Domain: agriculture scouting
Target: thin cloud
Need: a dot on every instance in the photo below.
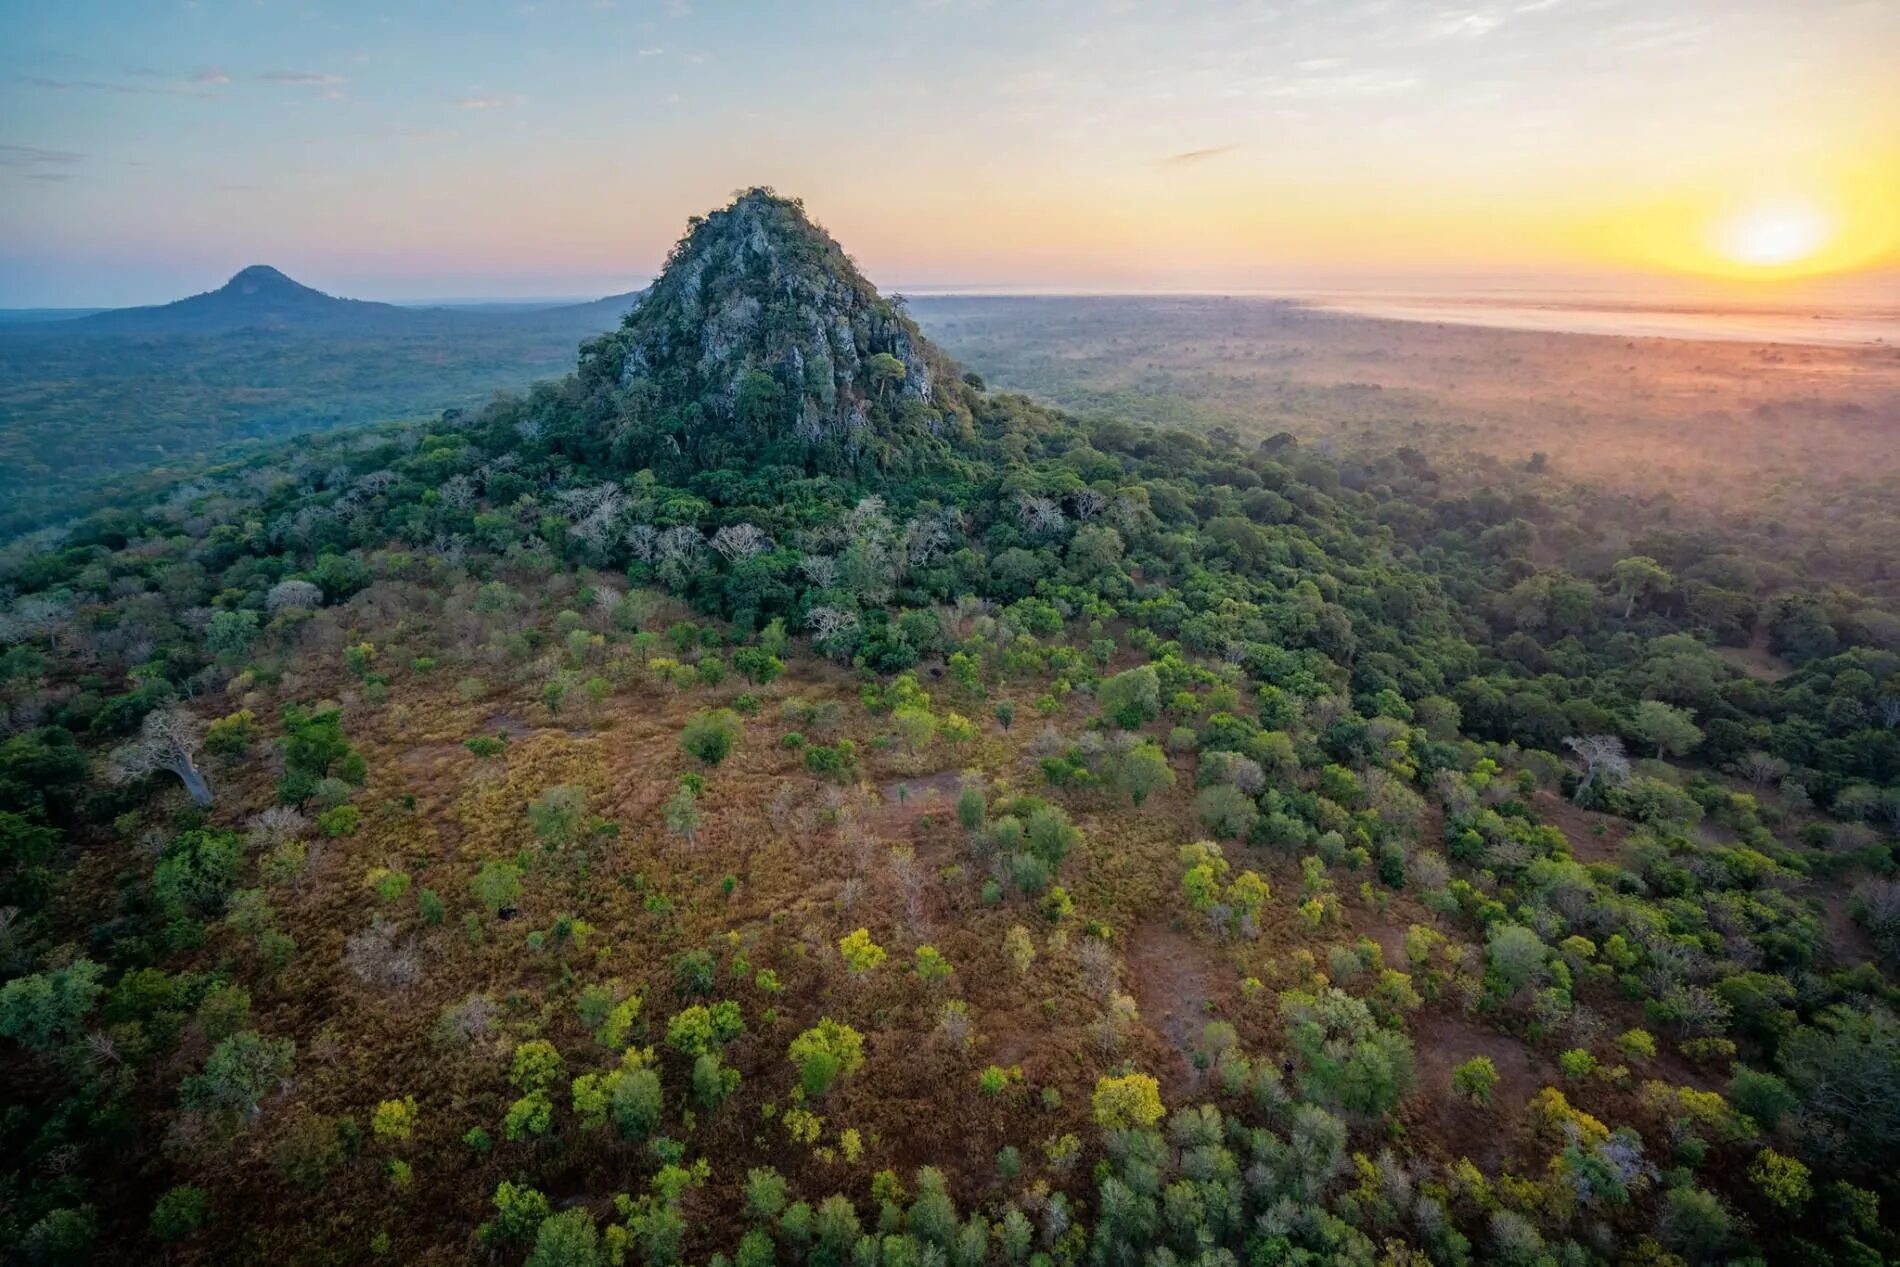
(309, 78)
(651, 52)
(211, 76)
(423, 134)
(100, 85)
(1188, 158)
(34, 156)
(491, 103)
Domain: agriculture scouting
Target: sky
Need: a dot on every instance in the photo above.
(472, 148)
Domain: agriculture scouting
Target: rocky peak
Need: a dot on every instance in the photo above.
(761, 331)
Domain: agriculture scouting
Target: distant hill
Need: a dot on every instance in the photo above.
(257, 298)
(24, 316)
(93, 406)
(608, 310)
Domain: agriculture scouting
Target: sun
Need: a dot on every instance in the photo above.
(1774, 235)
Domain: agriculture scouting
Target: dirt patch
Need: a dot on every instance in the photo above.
(1756, 660)
(1444, 1040)
(941, 786)
(1593, 837)
(506, 724)
(1170, 976)
(1847, 941)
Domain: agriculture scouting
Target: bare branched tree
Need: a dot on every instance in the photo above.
(820, 569)
(168, 741)
(1602, 757)
(293, 596)
(594, 511)
(1039, 514)
(740, 541)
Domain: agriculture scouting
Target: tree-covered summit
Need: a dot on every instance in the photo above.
(762, 338)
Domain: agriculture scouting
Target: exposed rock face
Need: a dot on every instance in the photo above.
(761, 331)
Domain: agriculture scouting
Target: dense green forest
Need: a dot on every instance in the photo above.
(764, 798)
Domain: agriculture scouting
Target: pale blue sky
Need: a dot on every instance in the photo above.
(148, 150)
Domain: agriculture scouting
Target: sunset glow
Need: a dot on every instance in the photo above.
(1775, 235)
(554, 148)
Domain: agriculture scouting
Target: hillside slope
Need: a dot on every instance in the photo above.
(514, 838)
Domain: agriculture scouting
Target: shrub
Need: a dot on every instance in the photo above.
(710, 735)
(537, 1065)
(519, 1211)
(1476, 1079)
(861, 954)
(394, 1120)
(1131, 1102)
(1577, 1063)
(970, 808)
(1637, 1044)
(180, 1212)
(1782, 1179)
(231, 736)
(699, 1029)
(713, 1081)
(931, 967)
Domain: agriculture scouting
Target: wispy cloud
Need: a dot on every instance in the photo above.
(102, 85)
(492, 103)
(1358, 83)
(1188, 158)
(651, 52)
(34, 163)
(34, 156)
(307, 78)
(423, 134)
(211, 75)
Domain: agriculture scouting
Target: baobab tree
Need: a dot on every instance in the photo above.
(168, 740)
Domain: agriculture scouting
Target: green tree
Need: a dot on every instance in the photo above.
(1475, 1080)
(179, 1213)
(241, 1071)
(1226, 811)
(567, 1239)
(825, 1053)
(1637, 577)
(559, 815)
(1132, 698)
(916, 727)
(1666, 727)
(861, 954)
(497, 886)
(47, 1010)
(1142, 771)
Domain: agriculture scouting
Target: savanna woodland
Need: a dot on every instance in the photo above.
(764, 799)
